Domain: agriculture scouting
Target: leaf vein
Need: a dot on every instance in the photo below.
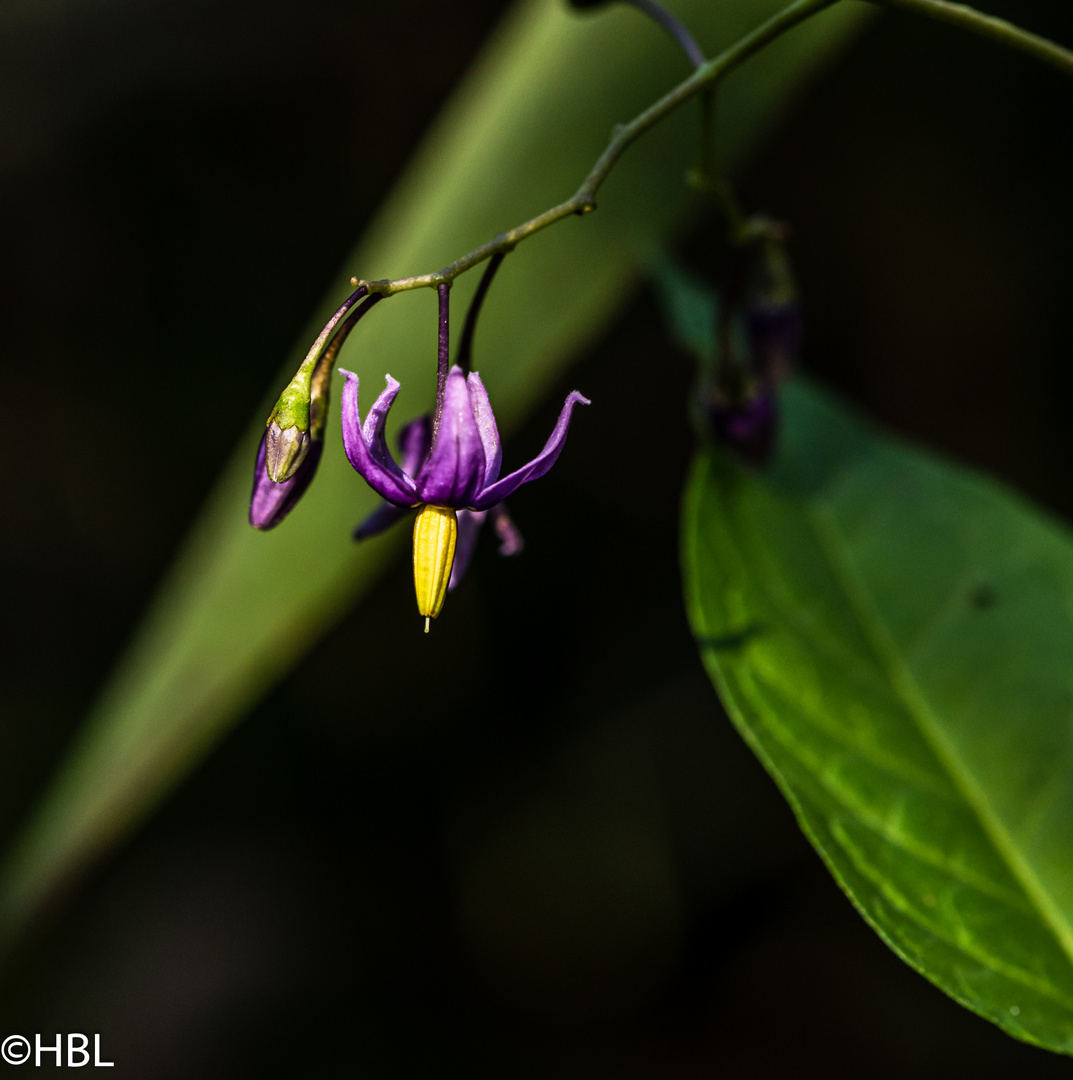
(882, 826)
(966, 945)
(883, 762)
(919, 710)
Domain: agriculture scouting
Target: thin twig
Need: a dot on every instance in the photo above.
(583, 200)
(967, 18)
(707, 75)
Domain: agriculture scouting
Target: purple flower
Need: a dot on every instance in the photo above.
(415, 442)
(451, 474)
(461, 469)
(469, 527)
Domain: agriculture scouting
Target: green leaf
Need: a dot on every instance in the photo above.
(239, 608)
(892, 636)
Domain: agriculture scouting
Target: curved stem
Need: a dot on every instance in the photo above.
(584, 199)
(336, 343)
(707, 75)
(322, 373)
(316, 350)
(674, 26)
(292, 406)
(442, 355)
(465, 345)
(967, 18)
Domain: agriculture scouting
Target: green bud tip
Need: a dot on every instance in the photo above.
(285, 450)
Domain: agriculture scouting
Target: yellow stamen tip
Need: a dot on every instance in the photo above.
(435, 533)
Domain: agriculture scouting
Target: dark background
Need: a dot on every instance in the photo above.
(532, 845)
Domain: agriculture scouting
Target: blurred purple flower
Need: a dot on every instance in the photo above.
(774, 331)
(749, 426)
(742, 399)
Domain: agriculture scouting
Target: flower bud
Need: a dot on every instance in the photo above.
(758, 343)
(290, 451)
(291, 448)
(270, 502)
(285, 450)
(748, 427)
(772, 313)
(287, 441)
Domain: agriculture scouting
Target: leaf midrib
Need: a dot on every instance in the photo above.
(1043, 986)
(877, 825)
(875, 632)
(972, 949)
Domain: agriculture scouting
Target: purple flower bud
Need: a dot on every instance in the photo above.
(771, 311)
(290, 450)
(270, 502)
(749, 427)
(774, 334)
(285, 449)
(760, 340)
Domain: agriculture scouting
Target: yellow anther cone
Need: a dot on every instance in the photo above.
(435, 533)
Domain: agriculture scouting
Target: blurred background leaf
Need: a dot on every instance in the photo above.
(891, 635)
(240, 608)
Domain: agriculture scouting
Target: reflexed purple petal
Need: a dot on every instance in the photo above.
(369, 455)
(415, 441)
(383, 517)
(486, 428)
(539, 465)
(453, 473)
(373, 427)
(469, 528)
(270, 503)
(510, 538)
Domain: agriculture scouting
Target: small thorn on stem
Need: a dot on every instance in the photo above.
(427, 621)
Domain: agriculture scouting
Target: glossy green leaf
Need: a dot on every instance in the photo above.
(240, 608)
(893, 637)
